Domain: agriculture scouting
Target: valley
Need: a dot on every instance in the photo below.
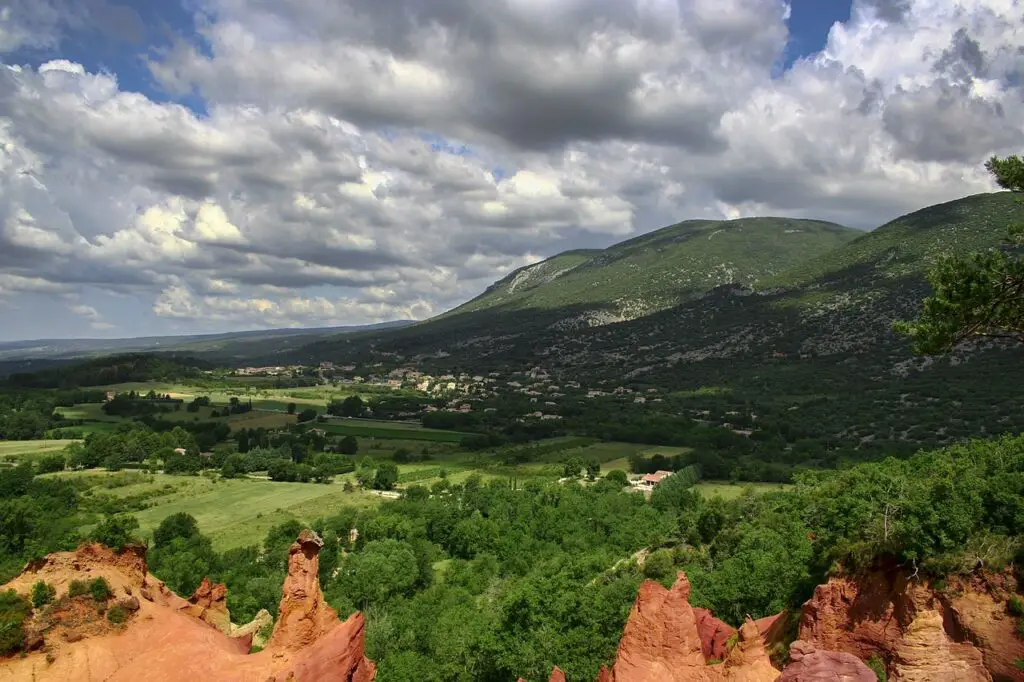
(728, 400)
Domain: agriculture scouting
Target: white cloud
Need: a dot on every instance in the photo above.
(311, 191)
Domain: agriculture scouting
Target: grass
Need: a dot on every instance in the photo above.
(17, 449)
(386, 430)
(730, 491)
(236, 512)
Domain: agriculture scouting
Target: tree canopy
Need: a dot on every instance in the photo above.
(978, 294)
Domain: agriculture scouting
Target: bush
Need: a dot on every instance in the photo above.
(116, 531)
(1016, 606)
(51, 464)
(77, 588)
(618, 477)
(14, 609)
(658, 565)
(117, 614)
(180, 525)
(42, 594)
(100, 590)
(877, 666)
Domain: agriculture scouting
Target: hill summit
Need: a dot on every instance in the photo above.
(662, 268)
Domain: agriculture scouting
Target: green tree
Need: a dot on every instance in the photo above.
(618, 477)
(348, 445)
(572, 466)
(386, 476)
(353, 406)
(291, 408)
(116, 531)
(180, 525)
(593, 469)
(978, 294)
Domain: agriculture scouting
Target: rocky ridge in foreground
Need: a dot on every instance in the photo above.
(165, 638)
(962, 630)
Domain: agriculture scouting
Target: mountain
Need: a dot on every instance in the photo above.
(663, 268)
(223, 346)
(629, 280)
(808, 352)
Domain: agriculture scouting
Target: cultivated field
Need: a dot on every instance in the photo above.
(367, 428)
(20, 449)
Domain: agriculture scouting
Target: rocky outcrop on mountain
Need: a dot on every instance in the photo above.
(958, 631)
(161, 638)
(662, 642)
(808, 664)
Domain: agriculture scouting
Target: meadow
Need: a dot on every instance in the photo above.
(13, 450)
(367, 428)
(232, 512)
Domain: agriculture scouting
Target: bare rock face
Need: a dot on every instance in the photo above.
(714, 634)
(807, 664)
(926, 653)
(748, 661)
(161, 642)
(959, 632)
(303, 616)
(209, 603)
(662, 643)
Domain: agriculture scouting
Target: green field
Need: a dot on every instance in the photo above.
(257, 389)
(18, 449)
(731, 491)
(235, 512)
(96, 420)
(389, 430)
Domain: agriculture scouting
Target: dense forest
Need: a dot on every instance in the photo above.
(503, 579)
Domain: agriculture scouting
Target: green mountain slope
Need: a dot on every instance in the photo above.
(663, 268)
(809, 350)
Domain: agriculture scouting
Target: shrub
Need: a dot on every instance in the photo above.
(658, 565)
(77, 588)
(1016, 606)
(42, 594)
(100, 589)
(14, 609)
(618, 477)
(116, 531)
(117, 614)
(877, 666)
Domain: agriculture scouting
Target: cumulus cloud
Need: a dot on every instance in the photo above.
(360, 161)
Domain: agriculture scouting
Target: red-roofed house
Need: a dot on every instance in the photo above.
(651, 480)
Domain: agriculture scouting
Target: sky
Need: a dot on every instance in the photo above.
(211, 165)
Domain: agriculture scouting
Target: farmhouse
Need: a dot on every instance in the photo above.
(650, 481)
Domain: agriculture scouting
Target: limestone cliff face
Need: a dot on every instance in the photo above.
(961, 632)
(170, 639)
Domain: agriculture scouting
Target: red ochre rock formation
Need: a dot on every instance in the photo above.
(162, 642)
(209, 603)
(807, 664)
(662, 643)
(961, 632)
